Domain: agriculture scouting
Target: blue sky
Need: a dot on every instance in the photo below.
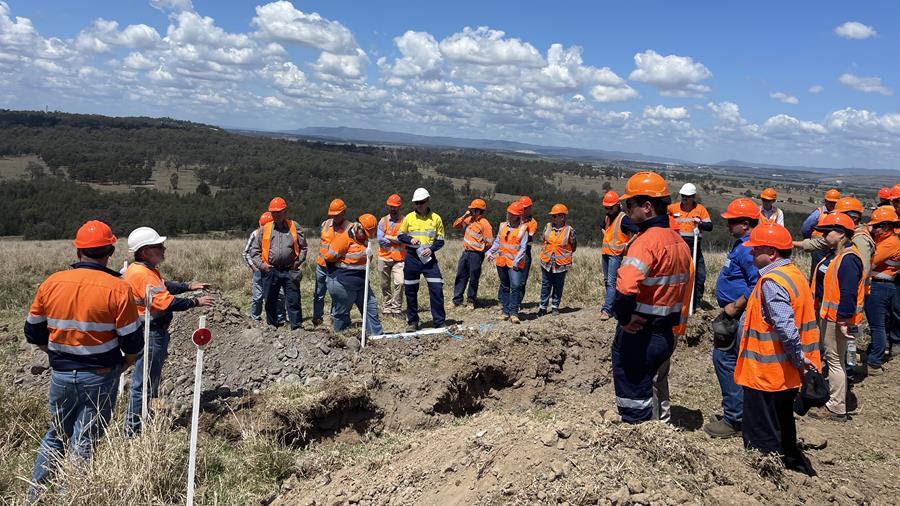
(776, 82)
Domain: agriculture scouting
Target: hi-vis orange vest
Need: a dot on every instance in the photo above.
(886, 262)
(822, 212)
(510, 239)
(614, 239)
(138, 276)
(762, 362)
(557, 249)
(531, 225)
(392, 252)
(778, 213)
(657, 270)
(86, 311)
(474, 238)
(346, 253)
(266, 240)
(327, 235)
(831, 293)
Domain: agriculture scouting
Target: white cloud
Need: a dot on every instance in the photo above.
(605, 94)
(866, 84)
(137, 61)
(816, 89)
(274, 102)
(727, 112)
(864, 124)
(421, 55)
(103, 35)
(172, 5)
(782, 125)
(340, 67)
(283, 22)
(483, 46)
(784, 97)
(673, 75)
(666, 113)
(855, 30)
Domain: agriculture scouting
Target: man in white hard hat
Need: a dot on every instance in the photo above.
(149, 251)
(689, 215)
(422, 231)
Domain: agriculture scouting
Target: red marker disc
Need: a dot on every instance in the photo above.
(202, 337)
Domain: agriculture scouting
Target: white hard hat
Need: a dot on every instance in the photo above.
(688, 189)
(143, 236)
(420, 194)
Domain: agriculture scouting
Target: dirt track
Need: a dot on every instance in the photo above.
(501, 413)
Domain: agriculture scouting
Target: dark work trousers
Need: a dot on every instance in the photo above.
(468, 271)
(769, 425)
(413, 269)
(274, 281)
(894, 333)
(525, 272)
(635, 361)
(699, 269)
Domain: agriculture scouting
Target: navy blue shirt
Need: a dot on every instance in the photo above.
(848, 280)
(739, 274)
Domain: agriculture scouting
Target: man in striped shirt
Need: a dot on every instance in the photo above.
(257, 292)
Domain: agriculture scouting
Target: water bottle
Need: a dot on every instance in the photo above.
(851, 352)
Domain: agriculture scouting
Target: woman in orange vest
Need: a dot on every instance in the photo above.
(839, 289)
(617, 231)
(556, 258)
(477, 238)
(531, 225)
(779, 343)
(345, 264)
(509, 251)
(769, 213)
(885, 265)
(331, 228)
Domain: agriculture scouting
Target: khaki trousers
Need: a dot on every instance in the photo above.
(391, 286)
(835, 346)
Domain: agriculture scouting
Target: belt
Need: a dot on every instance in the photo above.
(99, 370)
(876, 280)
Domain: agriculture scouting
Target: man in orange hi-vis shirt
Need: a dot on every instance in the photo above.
(691, 215)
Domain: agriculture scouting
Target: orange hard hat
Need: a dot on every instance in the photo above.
(277, 204)
(394, 201)
(559, 209)
(646, 183)
(610, 199)
(884, 214)
(742, 208)
(848, 204)
(94, 234)
(369, 223)
(336, 207)
(884, 193)
(895, 192)
(478, 204)
(769, 194)
(516, 208)
(265, 217)
(526, 201)
(834, 221)
(770, 234)
(832, 195)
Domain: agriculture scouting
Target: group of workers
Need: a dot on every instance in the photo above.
(89, 319)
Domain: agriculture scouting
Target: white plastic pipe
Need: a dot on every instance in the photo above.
(365, 308)
(122, 376)
(425, 332)
(694, 262)
(148, 303)
(195, 418)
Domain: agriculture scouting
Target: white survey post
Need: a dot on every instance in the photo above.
(201, 337)
(148, 303)
(694, 264)
(370, 250)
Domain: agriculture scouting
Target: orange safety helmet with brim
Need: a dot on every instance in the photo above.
(370, 223)
(647, 184)
(526, 201)
(277, 204)
(394, 200)
(884, 214)
(848, 204)
(770, 234)
(769, 194)
(832, 195)
(836, 221)
(94, 234)
(558, 209)
(516, 208)
(336, 207)
(478, 204)
(610, 199)
(884, 193)
(895, 192)
(742, 208)
(265, 217)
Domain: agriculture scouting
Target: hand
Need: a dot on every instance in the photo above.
(731, 311)
(414, 241)
(697, 220)
(516, 268)
(635, 325)
(809, 365)
(844, 331)
(468, 213)
(196, 285)
(128, 361)
(265, 268)
(205, 300)
(490, 258)
(426, 252)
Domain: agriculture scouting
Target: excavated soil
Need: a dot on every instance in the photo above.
(500, 413)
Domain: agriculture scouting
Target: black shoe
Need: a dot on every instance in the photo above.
(412, 327)
(542, 312)
(555, 311)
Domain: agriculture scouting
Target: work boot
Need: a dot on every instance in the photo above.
(412, 327)
(472, 306)
(514, 319)
(604, 316)
(503, 317)
(824, 413)
(874, 370)
(542, 311)
(316, 322)
(720, 429)
(555, 311)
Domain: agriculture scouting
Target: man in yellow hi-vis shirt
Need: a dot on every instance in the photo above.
(422, 231)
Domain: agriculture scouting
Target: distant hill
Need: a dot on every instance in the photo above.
(849, 171)
(372, 136)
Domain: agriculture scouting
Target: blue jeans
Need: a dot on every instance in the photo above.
(552, 283)
(611, 265)
(724, 362)
(878, 312)
(700, 268)
(468, 272)
(274, 282)
(511, 286)
(159, 351)
(525, 272)
(343, 298)
(319, 295)
(81, 403)
(258, 295)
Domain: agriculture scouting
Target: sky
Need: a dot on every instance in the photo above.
(796, 83)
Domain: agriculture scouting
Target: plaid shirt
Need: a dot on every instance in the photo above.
(778, 311)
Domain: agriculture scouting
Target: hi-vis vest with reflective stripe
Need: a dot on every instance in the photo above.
(266, 240)
(395, 251)
(345, 253)
(614, 239)
(473, 238)
(887, 251)
(685, 219)
(557, 249)
(138, 276)
(657, 270)
(831, 293)
(327, 235)
(822, 212)
(531, 225)
(762, 362)
(510, 240)
(426, 229)
(776, 213)
(86, 311)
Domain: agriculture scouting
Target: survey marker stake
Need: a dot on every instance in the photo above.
(148, 303)
(201, 337)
